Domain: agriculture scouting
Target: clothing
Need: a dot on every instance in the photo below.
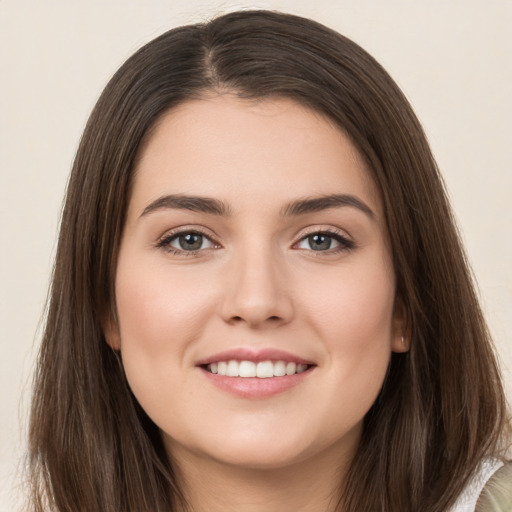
(490, 489)
(497, 493)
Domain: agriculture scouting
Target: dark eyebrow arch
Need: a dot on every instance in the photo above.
(317, 204)
(192, 203)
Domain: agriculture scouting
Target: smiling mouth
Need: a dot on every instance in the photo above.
(261, 370)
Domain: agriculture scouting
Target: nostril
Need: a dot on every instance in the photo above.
(273, 318)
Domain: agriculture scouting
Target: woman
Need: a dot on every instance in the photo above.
(260, 301)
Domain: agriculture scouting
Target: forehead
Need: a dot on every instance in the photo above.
(246, 150)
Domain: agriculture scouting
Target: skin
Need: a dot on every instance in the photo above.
(256, 282)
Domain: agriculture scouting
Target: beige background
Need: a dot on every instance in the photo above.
(453, 58)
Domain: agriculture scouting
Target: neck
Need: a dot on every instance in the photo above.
(306, 486)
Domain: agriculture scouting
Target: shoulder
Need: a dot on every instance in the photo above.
(496, 496)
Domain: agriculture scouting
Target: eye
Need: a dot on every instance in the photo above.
(325, 241)
(186, 242)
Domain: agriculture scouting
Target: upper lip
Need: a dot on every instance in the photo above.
(247, 354)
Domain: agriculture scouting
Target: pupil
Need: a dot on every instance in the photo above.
(319, 242)
(191, 241)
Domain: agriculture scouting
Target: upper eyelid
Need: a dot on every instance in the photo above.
(180, 230)
(328, 230)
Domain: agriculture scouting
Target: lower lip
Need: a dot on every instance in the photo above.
(254, 387)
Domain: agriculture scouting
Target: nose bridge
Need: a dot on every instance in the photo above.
(257, 293)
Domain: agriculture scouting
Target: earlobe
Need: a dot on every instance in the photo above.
(111, 332)
(401, 341)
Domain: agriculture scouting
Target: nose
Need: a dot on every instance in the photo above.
(258, 293)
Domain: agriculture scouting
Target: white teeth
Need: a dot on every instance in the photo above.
(265, 369)
(232, 370)
(247, 369)
(262, 370)
(280, 369)
(291, 368)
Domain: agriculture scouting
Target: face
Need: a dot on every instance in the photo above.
(254, 288)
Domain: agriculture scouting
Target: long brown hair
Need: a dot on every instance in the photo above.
(441, 409)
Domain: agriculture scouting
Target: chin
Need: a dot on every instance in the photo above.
(267, 449)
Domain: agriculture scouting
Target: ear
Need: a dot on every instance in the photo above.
(111, 331)
(401, 336)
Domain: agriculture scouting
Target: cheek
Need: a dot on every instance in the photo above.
(353, 308)
(352, 312)
(160, 313)
(158, 307)
(357, 332)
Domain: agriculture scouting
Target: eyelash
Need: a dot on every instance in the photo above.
(345, 243)
(165, 242)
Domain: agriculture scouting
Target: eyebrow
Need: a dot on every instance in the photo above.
(316, 204)
(216, 207)
(192, 203)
